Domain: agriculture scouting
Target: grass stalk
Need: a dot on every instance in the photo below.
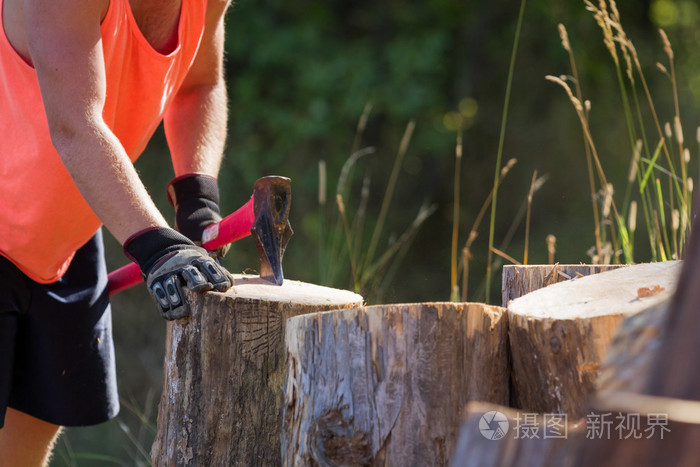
(677, 119)
(474, 232)
(335, 242)
(566, 44)
(632, 227)
(454, 288)
(139, 448)
(551, 241)
(386, 202)
(360, 218)
(466, 257)
(501, 139)
(348, 239)
(506, 256)
(527, 216)
(662, 215)
(370, 272)
(322, 219)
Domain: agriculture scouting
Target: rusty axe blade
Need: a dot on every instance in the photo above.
(271, 230)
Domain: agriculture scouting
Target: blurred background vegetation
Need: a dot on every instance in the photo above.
(300, 77)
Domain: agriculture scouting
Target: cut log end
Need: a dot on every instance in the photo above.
(300, 293)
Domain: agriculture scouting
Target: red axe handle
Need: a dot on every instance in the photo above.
(229, 229)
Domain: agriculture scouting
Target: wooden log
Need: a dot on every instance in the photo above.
(627, 364)
(644, 431)
(674, 372)
(224, 369)
(518, 280)
(667, 389)
(497, 436)
(626, 430)
(559, 334)
(384, 385)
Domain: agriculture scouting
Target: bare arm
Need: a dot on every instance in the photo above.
(195, 122)
(65, 48)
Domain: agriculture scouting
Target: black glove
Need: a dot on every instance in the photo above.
(170, 261)
(196, 201)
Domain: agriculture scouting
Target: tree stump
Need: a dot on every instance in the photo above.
(674, 372)
(497, 436)
(224, 369)
(518, 280)
(559, 334)
(627, 364)
(384, 385)
(644, 431)
(628, 430)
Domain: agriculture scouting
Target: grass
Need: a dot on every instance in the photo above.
(663, 191)
(501, 139)
(372, 264)
(658, 184)
(134, 426)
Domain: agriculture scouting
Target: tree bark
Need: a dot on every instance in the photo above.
(674, 372)
(224, 369)
(559, 334)
(629, 430)
(523, 440)
(666, 432)
(627, 364)
(384, 385)
(518, 280)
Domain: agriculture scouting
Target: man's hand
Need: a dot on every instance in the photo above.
(169, 261)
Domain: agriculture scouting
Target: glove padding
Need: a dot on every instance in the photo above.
(196, 201)
(169, 261)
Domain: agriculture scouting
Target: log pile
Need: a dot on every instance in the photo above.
(646, 411)
(306, 375)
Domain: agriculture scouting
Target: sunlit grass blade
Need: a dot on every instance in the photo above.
(388, 195)
(371, 272)
(501, 139)
(650, 168)
(454, 288)
(139, 447)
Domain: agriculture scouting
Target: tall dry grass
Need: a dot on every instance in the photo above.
(661, 185)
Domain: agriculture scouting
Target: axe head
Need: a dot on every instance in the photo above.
(271, 230)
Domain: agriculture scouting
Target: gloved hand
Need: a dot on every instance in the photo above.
(196, 200)
(169, 261)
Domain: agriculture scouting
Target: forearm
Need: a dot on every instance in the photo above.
(108, 181)
(195, 127)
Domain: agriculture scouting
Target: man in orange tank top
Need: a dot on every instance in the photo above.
(86, 82)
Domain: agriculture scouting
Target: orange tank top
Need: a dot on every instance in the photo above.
(43, 217)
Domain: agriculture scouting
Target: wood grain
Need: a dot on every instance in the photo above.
(385, 385)
(560, 334)
(224, 369)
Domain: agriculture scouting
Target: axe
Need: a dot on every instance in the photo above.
(265, 216)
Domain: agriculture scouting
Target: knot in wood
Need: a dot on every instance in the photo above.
(555, 344)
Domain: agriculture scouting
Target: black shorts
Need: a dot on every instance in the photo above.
(56, 349)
